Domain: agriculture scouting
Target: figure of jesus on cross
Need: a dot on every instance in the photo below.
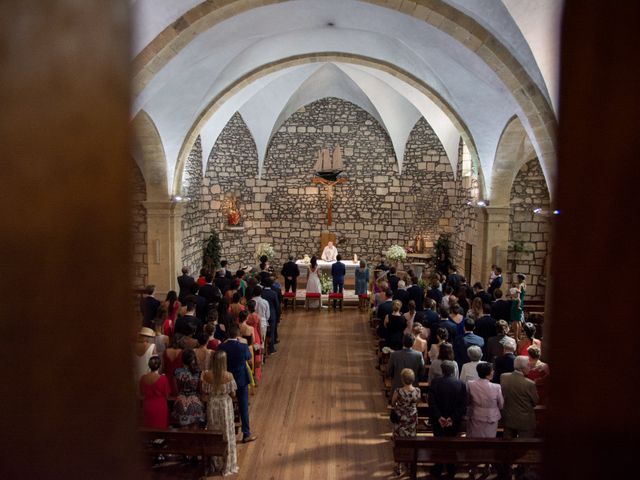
(328, 186)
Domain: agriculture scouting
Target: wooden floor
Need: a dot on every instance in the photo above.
(318, 411)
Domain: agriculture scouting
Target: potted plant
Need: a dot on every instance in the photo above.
(212, 251)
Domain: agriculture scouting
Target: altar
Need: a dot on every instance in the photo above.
(325, 267)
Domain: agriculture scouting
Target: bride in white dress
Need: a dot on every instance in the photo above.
(313, 283)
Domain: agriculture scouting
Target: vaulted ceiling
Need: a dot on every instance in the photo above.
(469, 67)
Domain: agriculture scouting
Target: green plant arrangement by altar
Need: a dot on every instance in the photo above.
(326, 283)
(443, 246)
(265, 249)
(212, 251)
(396, 253)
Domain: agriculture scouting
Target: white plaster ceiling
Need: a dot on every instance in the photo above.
(214, 60)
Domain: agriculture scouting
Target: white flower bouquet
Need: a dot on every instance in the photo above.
(306, 260)
(265, 249)
(396, 253)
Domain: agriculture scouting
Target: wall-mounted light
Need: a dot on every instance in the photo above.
(482, 203)
(180, 199)
(556, 212)
(537, 210)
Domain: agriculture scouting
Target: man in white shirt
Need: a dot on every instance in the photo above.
(329, 253)
(262, 309)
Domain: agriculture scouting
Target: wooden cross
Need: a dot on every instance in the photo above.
(328, 186)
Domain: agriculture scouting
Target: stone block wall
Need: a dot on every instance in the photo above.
(194, 226)
(140, 270)
(376, 208)
(464, 225)
(529, 230)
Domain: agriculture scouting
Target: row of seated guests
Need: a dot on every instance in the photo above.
(204, 395)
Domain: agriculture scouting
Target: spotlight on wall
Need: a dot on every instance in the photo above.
(180, 199)
(482, 203)
(537, 210)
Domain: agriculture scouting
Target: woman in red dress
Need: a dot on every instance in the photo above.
(172, 360)
(172, 307)
(154, 388)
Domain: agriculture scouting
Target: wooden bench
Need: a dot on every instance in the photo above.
(194, 442)
(471, 451)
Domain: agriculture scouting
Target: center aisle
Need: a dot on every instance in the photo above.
(317, 413)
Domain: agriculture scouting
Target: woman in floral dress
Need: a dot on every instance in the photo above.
(405, 402)
(220, 387)
(188, 408)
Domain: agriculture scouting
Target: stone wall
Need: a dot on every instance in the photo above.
(140, 269)
(193, 221)
(529, 232)
(376, 208)
(464, 225)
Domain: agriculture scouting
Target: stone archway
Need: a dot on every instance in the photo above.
(436, 13)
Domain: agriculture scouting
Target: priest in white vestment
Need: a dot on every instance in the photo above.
(329, 253)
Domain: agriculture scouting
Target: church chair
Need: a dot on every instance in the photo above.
(290, 297)
(309, 295)
(336, 299)
(363, 302)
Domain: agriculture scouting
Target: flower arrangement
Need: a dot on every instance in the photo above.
(265, 249)
(396, 253)
(306, 260)
(326, 283)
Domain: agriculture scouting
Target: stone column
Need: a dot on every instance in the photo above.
(164, 241)
(496, 240)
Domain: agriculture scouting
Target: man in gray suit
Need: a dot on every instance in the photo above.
(520, 399)
(405, 358)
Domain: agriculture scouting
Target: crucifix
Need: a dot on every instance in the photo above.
(327, 170)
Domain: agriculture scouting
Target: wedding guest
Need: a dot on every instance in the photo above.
(456, 315)
(393, 279)
(271, 296)
(405, 403)
(520, 399)
(172, 361)
(494, 344)
(485, 402)
(172, 306)
(362, 278)
(501, 308)
(463, 342)
(435, 292)
(410, 316)
(496, 282)
(529, 341)
(155, 390)
(238, 355)
(220, 387)
(505, 362)
(539, 373)
(394, 325)
(402, 295)
(468, 371)
(441, 336)
(149, 306)
(185, 282)
(447, 406)
(445, 353)
(203, 354)
(416, 293)
(479, 292)
(263, 310)
(402, 359)
(420, 344)
(430, 320)
(188, 408)
(475, 311)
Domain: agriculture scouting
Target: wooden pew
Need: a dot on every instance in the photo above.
(472, 451)
(193, 442)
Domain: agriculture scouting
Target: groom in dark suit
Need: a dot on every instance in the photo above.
(290, 272)
(338, 271)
